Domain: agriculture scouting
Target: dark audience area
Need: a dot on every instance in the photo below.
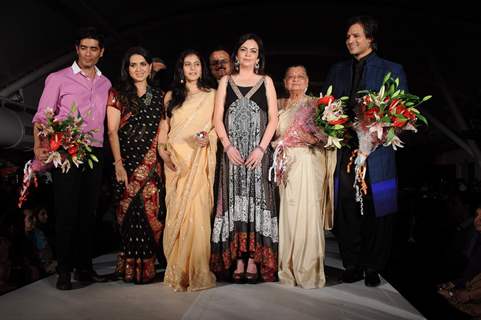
(27, 234)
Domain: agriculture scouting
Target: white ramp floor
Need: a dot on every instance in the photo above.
(118, 300)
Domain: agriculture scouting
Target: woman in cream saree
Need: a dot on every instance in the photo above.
(306, 196)
(189, 156)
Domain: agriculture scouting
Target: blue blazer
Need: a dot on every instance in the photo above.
(382, 162)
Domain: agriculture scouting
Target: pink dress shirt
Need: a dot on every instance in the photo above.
(71, 85)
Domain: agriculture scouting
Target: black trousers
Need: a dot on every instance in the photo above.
(75, 202)
(364, 240)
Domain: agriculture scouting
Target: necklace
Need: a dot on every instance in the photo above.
(291, 102)
(148, 97)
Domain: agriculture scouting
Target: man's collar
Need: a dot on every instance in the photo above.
(76, 69)
(365, 58)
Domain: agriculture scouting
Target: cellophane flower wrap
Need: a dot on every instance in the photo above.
(381, 117)
(306, 120)
(330, 118)
(67, 143)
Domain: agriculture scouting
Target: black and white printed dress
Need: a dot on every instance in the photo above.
(245, 224)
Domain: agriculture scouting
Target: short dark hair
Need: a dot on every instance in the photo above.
(370, 26)
(158, 59)
(261, 56)
(89, 33)
(219, 47)
(296, 66)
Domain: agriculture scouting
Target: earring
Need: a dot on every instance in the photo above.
(256, 67)
(236, 64)
(181, 78)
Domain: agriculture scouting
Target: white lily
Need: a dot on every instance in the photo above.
(333, 141)
(378, 128)
(55, 158)
(76, 161)
(395, 143)
(410, 127)
(65, 166)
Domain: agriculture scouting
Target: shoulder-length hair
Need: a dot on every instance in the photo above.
(178, 87)
(261, 56)
(126, 87)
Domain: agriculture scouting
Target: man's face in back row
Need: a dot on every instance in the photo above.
(220, 64)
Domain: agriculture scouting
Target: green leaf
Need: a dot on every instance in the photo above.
(422, 118)
(409, 104)
(87, 147)
(386, 78)
(329, 91)
(94, 158)
(411, 96)
(390, 134)
(74, 108)
(391, 90)
(396, 82)
(91, 165)
(381, 92)
(416, 111)
(395, 94)
(426, 98)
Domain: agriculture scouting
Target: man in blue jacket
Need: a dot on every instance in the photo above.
(364, 240)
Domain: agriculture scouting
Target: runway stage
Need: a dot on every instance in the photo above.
(118, 300)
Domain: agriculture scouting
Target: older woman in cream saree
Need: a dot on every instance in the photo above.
(306, 206)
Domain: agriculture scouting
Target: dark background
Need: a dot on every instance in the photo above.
(439, 46)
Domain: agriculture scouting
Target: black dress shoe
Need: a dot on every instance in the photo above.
(239, 278)
(352, 274)
(114, 276)
(63, 281)
(89, 276)
(251, 278)
(372, 278)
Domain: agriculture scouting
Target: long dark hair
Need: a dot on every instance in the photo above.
(179, 89)
(126, 88)
(261, 56)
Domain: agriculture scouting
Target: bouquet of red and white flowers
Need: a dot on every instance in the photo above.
(67, 144)
(321, 118)
(331, 119)
(381, 117)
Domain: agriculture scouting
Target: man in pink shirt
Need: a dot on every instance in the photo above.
(76, 192)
